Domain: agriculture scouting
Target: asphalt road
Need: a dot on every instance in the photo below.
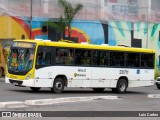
(10, 92)
(135, 99)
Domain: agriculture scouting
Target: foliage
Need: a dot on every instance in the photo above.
(59, 25)
(69, 13)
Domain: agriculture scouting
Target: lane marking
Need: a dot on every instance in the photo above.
(154, 95)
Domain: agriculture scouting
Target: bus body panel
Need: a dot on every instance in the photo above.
(142, 83)
(76, 76)
(147, 74)
(100, 77)
(80, 77)
(146, 78)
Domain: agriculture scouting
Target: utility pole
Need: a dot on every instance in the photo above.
(148, 13)
(102, 10)
(31, 19)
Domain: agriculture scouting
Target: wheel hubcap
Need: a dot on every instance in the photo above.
(122, 86)
(58, 85)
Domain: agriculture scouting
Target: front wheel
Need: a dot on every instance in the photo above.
(58, 86)
(158, 86)
(35, 89)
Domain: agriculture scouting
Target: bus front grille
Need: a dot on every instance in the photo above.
(15, 82)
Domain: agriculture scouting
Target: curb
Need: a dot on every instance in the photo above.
(68, 99)
(14, 104)
(19, 104)
(154, 95)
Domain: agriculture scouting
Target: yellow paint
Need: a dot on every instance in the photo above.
(9, 28)
(88, 46)
(82, 32)
(35, 29)
(21, 77)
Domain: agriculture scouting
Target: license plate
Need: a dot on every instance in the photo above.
(15, 83)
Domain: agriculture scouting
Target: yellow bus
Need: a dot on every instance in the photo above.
(57, 65)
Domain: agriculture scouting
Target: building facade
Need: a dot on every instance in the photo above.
(133, 23)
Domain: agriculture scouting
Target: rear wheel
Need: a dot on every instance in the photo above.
(158, 86)
(98, 89)
(58, 85)
(35, 89)
(121, 86)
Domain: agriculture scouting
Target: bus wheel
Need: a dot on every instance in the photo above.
(98, 89)
(58, 85)
(158, 86)
(35, 89)
(121, 86)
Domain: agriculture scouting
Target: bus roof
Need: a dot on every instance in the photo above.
(87, 46)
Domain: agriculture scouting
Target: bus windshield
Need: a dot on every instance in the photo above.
(20, 59)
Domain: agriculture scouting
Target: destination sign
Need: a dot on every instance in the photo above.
(23, 44)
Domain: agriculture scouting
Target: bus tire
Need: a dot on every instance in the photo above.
(58, 85)
(98, 89)
(121, 86)
(158, 86)
(35, 89)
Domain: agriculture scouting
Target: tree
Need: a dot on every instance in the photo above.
(69, 13)
(59, 25)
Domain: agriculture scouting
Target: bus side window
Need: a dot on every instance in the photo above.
(96, 59)
(60, 56)
(147, 61)
(86, 57)
(132, 60)
(104, 58)
(151, 61)
(40, 59)
(47, 58)
(78, 57)
(112, 59)
(69, 57)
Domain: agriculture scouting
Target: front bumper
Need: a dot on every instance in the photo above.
(157, 82)
(29, 82)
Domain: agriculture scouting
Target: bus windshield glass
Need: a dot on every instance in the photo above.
(21, 57)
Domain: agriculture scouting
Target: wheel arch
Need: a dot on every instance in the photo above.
(64, 78)
(125, 78)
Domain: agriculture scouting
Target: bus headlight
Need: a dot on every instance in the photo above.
(28, 77)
